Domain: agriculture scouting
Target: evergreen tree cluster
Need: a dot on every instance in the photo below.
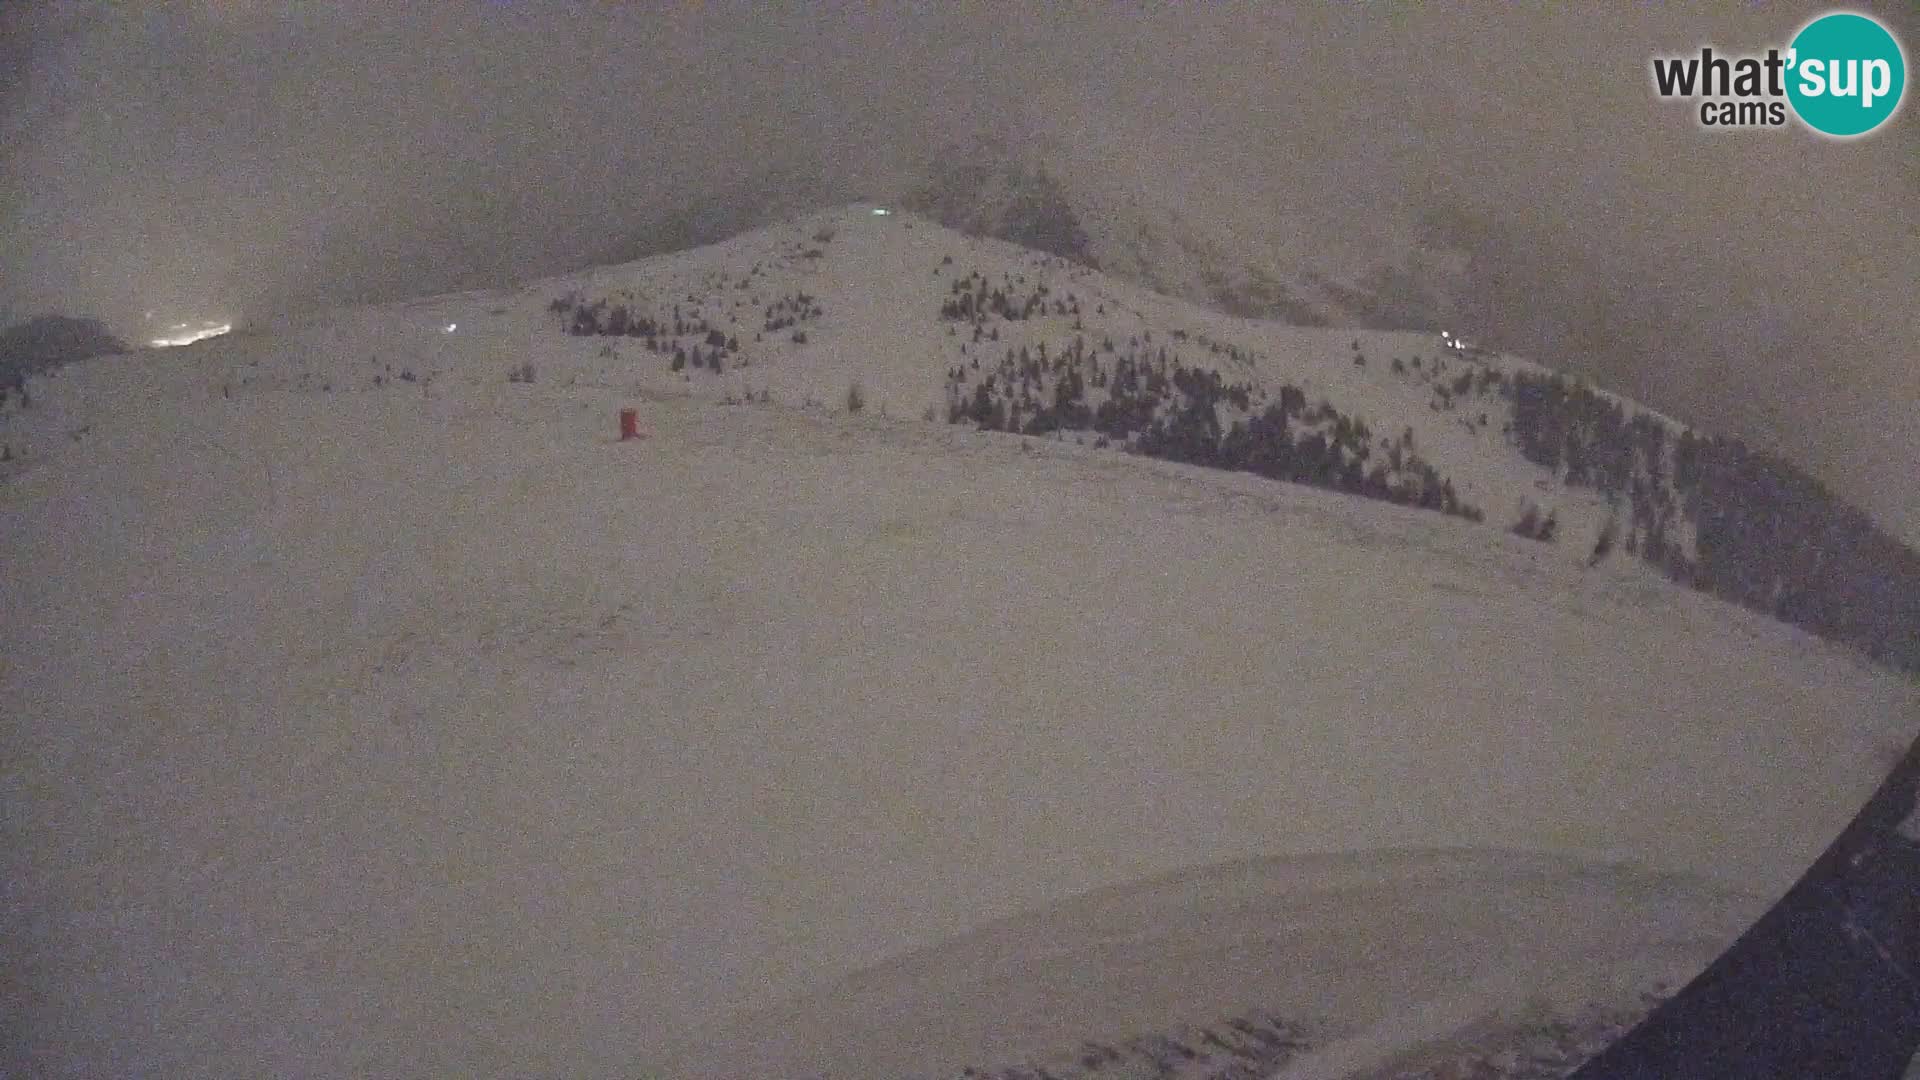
(1766, 535)
(1216, 347)
(1451, 389)
(973, 301)
(791, 310)
(1774, 539)
(685, 337)
(1151, 401)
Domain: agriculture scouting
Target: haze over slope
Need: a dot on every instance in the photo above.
(385, 715)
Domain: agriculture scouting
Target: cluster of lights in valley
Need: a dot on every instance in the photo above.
(186, 333)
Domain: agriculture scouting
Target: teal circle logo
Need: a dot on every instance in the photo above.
(1846, 74)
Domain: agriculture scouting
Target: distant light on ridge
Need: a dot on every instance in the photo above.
(188, 333)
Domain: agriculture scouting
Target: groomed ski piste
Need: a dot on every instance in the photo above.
(376, 711)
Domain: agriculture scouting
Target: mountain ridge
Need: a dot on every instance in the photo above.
(936, 323)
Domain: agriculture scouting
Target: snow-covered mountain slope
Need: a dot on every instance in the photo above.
(1037, 344)
(1023, 341)
(1267, 966)
(377, 712)
(805, 310)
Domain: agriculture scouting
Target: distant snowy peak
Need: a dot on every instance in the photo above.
(1215, 250)
(1008, 199)
(1194, 254)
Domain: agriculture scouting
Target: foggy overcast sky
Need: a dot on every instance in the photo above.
(235, 158)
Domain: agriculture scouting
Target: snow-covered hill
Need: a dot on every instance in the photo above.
(1266, 967)
(984, 313)
(1043, 346)
(376, 711)
(1034, 190)
(804, 311)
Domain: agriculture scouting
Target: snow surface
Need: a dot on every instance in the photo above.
(1368, 960)
(418, 726)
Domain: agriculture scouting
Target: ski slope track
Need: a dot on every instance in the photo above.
(374, 710)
